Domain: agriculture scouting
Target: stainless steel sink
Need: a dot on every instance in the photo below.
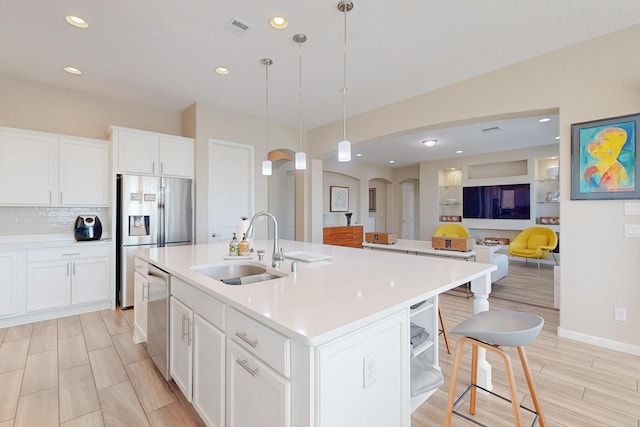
(238, 274)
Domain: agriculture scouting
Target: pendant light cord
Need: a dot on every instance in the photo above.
(344, 76)
(300, 93)
(266, 132)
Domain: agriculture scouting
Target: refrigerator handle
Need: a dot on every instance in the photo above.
(161, 213)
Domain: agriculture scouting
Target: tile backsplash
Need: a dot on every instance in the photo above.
(47, 220)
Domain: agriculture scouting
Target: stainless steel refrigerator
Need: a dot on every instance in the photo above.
(151, 212)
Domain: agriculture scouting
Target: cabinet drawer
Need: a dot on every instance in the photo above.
(267, 344)
(207, 307)
(141, 266)
(69, 252)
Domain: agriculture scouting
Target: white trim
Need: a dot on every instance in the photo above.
(599, 342)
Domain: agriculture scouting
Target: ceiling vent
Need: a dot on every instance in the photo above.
(237, 26)
(492, 129)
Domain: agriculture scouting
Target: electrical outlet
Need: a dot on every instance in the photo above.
(620, 314)
(368, 370)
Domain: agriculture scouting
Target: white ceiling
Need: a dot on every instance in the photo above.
(163, 53)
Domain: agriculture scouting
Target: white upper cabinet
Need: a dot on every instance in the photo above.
(28, 167)
(43, 169)
(150, 153)
(84, 172)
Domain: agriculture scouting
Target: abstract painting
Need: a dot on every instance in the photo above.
(604, 159)
(338, 199)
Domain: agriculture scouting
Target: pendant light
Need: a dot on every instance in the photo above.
(266, 164)
(344, 146)
(300, 156)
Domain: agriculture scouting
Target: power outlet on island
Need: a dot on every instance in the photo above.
(368, 370)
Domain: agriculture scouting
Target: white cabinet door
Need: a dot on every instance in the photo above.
(8, 284)
(89, 280)
(84, 173)
(48, 285)
(28, 168)
(141, 298)
(137, 152)
(176, 156)
(180, 348)
(208, 372)
(256, 394)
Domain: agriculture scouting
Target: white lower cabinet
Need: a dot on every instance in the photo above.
(61, 277)
(208, 372)
(197, 350)
(181, 350)
(48, 285)
(256, 394)
(140, 302)
(8, 283)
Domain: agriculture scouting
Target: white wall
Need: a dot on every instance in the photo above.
(203, 122)
(28, 105)
(588, 81)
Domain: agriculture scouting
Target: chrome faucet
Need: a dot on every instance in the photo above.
(278, 254)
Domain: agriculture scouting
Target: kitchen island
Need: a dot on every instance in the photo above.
(324, 346)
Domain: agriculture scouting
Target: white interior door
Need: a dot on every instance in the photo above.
(408, 209)
(231, 188)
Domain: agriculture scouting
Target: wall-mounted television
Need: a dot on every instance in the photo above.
(497, 202)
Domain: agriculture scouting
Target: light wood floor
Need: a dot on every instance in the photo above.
(578, 384)
(526, 283)
(84, 371)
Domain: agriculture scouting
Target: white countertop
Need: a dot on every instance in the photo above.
(420, 246)
(44, 241)
(325, 299)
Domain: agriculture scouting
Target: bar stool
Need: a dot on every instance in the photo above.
(490, 330)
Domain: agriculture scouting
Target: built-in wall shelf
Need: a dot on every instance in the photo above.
(498, 170)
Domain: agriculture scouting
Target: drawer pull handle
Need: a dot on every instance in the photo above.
(72, 254)
(245, 365)
(243, 336)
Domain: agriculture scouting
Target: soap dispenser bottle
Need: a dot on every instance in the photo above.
(244, 246)
(234, 246)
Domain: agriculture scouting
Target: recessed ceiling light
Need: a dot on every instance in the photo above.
(459, 152)
(392, 161)
(358, 154)
(72, 70)
(544, 120)
(279, 22)
(76, 21)
(429, 142)
(557, 137)
(553, 158)
(223, 71)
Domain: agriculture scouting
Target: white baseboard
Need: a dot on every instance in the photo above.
(600, 342)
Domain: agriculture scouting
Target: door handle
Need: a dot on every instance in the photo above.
(214, 235)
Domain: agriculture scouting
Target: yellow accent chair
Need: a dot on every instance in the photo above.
(534, 242)
(451, 230)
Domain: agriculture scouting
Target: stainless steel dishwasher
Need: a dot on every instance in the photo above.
(158, 319)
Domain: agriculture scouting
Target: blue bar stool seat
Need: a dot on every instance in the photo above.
(490, 330)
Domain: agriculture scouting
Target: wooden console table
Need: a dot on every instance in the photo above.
(350, 236)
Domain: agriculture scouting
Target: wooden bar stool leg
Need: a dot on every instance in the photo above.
(444, 330)
(474, 378)
(532, 388)
(454, 383)
(512, 385)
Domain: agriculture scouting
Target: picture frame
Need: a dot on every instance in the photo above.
(338, 199)
(604, 159)
(372, 200)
